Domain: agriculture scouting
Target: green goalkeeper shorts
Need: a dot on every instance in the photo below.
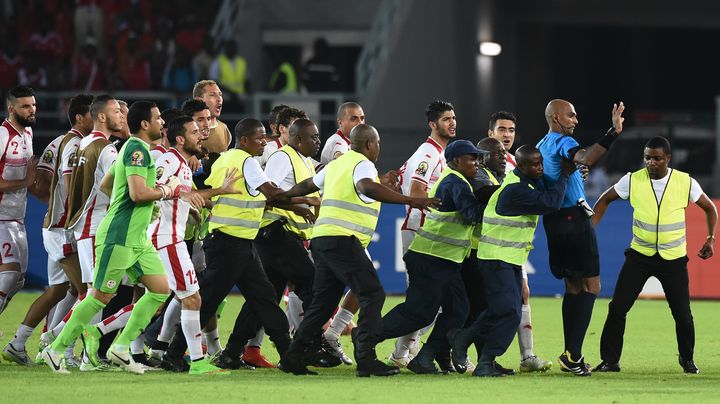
(115, 260)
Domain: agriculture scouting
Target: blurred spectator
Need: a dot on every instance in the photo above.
(88, 21)
(133, 67)
(230, 71)
(45, 43)
(32, 73)
(163, 52)
(597, 182)
(10, 63)
(190, 34)
(284, 79)
(320, 73)
(204, 59)
(180, 76)
(87, 74)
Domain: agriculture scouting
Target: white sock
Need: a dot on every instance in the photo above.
(138, 345)
(116, 321)
(212, 340)
(258, 338)
(294, 311)
(49, 317)
(170, 321)
(61, 324)
(402, 345)
(339, 322)
(21, 336)
(70, 351)
(62, 309)
(524, 332)
(190, 322)
(8, 284)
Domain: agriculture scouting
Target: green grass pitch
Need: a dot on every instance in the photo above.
(650, 370)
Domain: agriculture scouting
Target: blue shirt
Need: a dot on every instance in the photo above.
(554, 147)
(456, 195)
(519, 199)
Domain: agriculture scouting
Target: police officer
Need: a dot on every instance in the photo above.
(508, 227)
(659, 196)
(348, 216)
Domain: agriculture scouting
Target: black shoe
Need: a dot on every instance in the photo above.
(227, 360)
(607, 367)
(688, 366)
(423, 363)
(375, 368)
(153, 343)
(505, 371)
(174, 364)
(322, 357)
(143, 359)
(487, 369)
(292, 362)
(459, 342)
(578, 368)
(442, 358)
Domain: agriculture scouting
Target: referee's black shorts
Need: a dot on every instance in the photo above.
(572, 244)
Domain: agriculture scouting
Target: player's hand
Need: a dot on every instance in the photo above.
(195, 200)
(31, 170)
(424, 203)
(584, 171)
(390, 178)
(228, 185)
(707, 250)
(305, 213)
(193, 163)
(174, 186)
(617, 118)
(313, 201)
(567, 166)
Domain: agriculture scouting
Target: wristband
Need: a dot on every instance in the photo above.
(162, 189)
(607, 139)
(710, 237)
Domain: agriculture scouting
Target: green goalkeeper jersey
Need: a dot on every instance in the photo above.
(126, 222)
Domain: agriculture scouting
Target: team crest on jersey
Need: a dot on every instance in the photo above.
(422, 168)
(111, 284)
(48, 156)
(159, 172)
(137, 159)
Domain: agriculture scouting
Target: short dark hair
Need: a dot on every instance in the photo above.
(78, 105)
(501, 115)
(273, 115)
(436, 108)
(169, 115)
(247, 127)
(191, 106)
(139, 111)
(659, 142)
(98, 105)
(176, 127)
(289, 114)
(342, 110)
(19, 92)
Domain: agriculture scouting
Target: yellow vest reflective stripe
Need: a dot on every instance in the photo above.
(444, 235)
(233, 76)
(302, 169)
(342, 212)
(506, 238)
(238, 215)
(478, 227)
(290, 78)
(659, 229)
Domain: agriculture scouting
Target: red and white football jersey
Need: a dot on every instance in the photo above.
(16, 148)
(336, 145)
(424, 166)
(169, 228)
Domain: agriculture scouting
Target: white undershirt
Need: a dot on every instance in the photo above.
(254, 175)
(279, 170)
(365, 169)
(623, 187)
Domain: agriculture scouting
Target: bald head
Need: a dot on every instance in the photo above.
(555, 107)
(361, 134)
(525, 153)
(489, 145)
(561, 116)
(298, 126)
(493, 156)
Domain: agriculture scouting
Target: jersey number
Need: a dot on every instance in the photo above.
(7, 250)
(190, 274)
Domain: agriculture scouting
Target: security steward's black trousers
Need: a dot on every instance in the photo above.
(341, 261)
(233, 261)
(636, 270)
(284, 259)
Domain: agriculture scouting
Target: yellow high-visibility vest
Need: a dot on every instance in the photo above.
(233, 76)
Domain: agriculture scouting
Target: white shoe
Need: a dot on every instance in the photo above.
(335, 348)
(46, 339)
(73, 361)
(55, 360)
(399, 362)
(125, 361)
(9, 353)
(156, 354)
(534, 364)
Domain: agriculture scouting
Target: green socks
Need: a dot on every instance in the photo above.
(81, 316)
(141, 315)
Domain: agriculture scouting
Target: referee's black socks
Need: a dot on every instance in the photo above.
(577, 312)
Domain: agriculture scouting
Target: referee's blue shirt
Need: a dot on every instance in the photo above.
(554, 147)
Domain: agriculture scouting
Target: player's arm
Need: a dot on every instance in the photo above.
(106, 184)
(602, 203)
(711, 217)
(592, 154)
(41, 187)
(28, 181)
(382, 193)
(303, 188)
(228, 186)
(418, 189)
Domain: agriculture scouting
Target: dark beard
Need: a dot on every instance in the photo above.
(24, 122)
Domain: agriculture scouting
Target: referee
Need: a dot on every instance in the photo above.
(659, 196)
(571, 239)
